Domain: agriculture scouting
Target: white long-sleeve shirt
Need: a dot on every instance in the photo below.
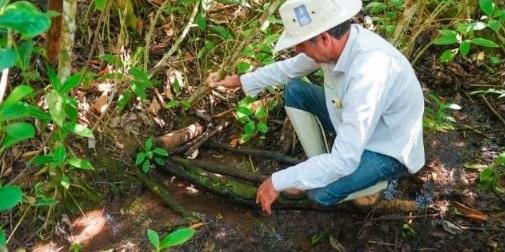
(374, 101)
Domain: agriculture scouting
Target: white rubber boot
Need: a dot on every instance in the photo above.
(308, 130)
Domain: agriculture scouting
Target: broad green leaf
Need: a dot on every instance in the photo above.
(140, 75)
(161, 152)
(375, 7)
(148, 144)
(448, 55)
(201, 21)
(262, 127)
(24, 54)
(42, 200)
(10, 196)
(487, 6)
(43, 160)
(146, 166)
(178, 237)
(20, 110)
(7, 58)
(53, 77)
(154, 238)
(139, 89)
(65, 182)
(243, 67)
(495, 25)
(100, 4)
(113, 60)
(17, 132)
(72, 82)
(484, 42)
(123, 100)
(222, 31)
(243, 111)
(56, 107)
(488, 176)
(446, 37)
(23, 17)
(261, 113)
(159, 161)
(249, 128)
(3, 3)
(3, 240)
(17, 94)
(80, 130)
(59, 154)
(80, 163)
(464, 47)
(141, 156)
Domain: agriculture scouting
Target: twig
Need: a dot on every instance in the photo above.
(149, 35)
(398, 218)
(214, 132)
(493, 110)
(177, 43)
(255, 152)
(223, 170)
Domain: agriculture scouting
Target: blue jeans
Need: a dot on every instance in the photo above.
(373, 167)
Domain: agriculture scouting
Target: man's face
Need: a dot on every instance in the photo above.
(315, 48)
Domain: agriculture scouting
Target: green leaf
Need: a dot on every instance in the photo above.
(500, 159)
(242, 112)
(112, 59)
(249, 128)
(488, 177)
(243, 67)
(178, 237)
(154, 238)
(141, 156)
(7, 58)
(20, 110)
(17, 94)
(484, 42)
(100, 4)
(53, 77)
(222, 31)
(42, 160)
(3, 3)
(173, 104)
(146, 166)
(72, 82)
(161, 152)
(17, 132)
(487, 6)
(261, 113)
(201, 21)
(3, 240)
(159, 161)
(10, 196)
(79, 129)
(80, 163)
(148, 144)
(59, 154)
(65, 182)
(495, 25)
(375, 7)
(448, 55)
(56, 108)
(262, 127)
(446, 37)
(140, 75)
(23, 17)
(123, 100)
(464, 47)
(139, 89)
(24, 54)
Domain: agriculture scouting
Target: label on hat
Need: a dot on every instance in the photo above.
(302, 15)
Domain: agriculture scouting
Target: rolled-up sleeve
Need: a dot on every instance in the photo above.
(362, 106)
(278, 73)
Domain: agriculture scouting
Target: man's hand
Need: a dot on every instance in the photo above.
(266, 195)
(230, 81)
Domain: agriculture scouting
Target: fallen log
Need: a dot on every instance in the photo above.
(234, 172)
(207, 136)
(245, 194)
(176, 138)
(277, 156)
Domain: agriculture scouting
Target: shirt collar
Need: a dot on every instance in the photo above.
(343, 62)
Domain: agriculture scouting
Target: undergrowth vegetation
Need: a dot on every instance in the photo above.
(151, 57)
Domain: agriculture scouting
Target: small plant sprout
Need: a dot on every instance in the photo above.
(144, 158)
(175, 238)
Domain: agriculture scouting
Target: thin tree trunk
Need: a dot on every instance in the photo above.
(67, 39)
(54, 33)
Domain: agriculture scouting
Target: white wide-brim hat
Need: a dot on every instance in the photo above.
(305, 19)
